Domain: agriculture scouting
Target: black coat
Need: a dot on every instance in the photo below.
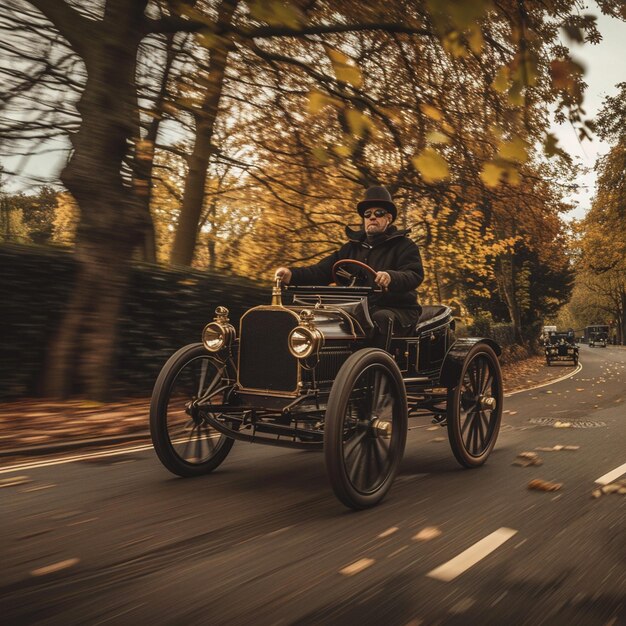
(392, 252)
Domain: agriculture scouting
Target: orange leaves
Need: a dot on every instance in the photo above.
(565, 74)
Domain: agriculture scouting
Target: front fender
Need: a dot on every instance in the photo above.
(455, 357)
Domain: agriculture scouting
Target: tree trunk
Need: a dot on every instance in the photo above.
(193, 195)
(80, 355)
(505, 277)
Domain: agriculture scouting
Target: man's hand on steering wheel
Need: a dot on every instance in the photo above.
(382, 279)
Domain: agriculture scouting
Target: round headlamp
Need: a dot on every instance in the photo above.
(303, 342)
(216, 336)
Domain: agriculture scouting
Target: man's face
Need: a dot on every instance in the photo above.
(376, 220)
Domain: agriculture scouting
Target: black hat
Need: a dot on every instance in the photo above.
(377, 196)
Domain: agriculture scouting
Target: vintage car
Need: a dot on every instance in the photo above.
(301, 373)
(561, 347)
(597, 339)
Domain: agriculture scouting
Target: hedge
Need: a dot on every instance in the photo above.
(164, 310)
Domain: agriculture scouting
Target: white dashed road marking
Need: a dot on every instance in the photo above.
(459, 564)
(612, 475)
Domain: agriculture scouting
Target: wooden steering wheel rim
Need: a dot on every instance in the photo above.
(360, 264)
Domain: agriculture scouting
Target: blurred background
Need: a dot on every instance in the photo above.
(162, 157)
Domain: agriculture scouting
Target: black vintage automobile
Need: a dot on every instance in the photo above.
(561, 347)
(302, 374)
(598, 339)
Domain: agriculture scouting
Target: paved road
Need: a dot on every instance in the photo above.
(116, 539)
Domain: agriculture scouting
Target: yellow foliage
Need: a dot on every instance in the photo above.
(515, 150)
(430, 111)
(317, 101)
(277, 13)
(501, 81)
(475, 39)
(344, 67)
(491, 174)
(431, 165)
(357, 121)
(342, 150)
(436, 137)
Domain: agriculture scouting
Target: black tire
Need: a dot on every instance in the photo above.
(175, 426)
(472, 431)
(362, 460)
(548, 362)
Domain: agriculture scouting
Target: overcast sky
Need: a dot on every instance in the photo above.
(604, 67)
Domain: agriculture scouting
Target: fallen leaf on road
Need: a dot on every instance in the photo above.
(544, 485)
(428, 533)
(438, 439)
(548, 392)
(571, 447)
(512, 412)
(580, 390)
(54, 567)
(433, 428)
(559, 424)
(526, 459)
(356, 567)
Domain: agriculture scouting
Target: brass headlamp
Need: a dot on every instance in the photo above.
(218, 334)
(305, 339)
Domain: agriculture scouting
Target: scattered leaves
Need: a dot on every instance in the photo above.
(427, 533)
(526, 459)
(356, 567)
(544, 485)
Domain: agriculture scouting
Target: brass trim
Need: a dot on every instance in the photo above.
(344, 314)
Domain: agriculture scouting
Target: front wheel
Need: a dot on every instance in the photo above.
(474, 409)
(365, 428)
(183, 439)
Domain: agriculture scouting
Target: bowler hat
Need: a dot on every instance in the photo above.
(377, 196)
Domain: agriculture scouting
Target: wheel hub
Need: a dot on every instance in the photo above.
(486, 403)
(381, 428)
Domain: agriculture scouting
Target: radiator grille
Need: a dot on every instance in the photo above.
(265, 362)
(329, 364)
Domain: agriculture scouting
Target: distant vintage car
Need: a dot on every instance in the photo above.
(561, 347)
(304, 375)
(598, 339)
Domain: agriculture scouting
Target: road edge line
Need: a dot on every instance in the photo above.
(550, 382)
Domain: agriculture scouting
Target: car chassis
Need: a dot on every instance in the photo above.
(304, 375)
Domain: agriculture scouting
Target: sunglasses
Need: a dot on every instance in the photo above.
(375, 212)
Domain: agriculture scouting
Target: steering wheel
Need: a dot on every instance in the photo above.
(349, 273)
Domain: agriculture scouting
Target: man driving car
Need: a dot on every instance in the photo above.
(395, 259)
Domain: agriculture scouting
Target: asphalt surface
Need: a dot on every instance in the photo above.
(113, 538)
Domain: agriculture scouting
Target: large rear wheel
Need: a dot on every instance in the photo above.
(183, 439)
(475, 407)
(365, 428)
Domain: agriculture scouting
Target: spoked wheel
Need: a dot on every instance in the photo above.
(365, 428)
(475, 407)
(183, 439)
